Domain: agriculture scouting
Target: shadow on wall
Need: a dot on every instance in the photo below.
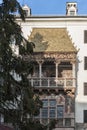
(40, 44)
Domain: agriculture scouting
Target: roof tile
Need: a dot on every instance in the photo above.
(51, 40)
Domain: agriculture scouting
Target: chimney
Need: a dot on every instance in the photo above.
(27, 10)
(71, 8)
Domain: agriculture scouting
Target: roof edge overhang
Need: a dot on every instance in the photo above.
(53, 17)
(56, 52)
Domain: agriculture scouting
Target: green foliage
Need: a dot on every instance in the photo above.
(17, 100)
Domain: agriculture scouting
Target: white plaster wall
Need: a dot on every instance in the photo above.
(26, 29)
(77, 34)
(75, 29)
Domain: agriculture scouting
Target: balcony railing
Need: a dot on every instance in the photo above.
(52, 82)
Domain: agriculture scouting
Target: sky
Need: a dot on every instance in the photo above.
(53, 7)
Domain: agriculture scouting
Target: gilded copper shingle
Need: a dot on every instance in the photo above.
(51, 40)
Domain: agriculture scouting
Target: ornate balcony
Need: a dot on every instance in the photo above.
(52, 82)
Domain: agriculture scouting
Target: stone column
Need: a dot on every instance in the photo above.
(56, 71)
(40, 62)
(56, 63)
(40, 70)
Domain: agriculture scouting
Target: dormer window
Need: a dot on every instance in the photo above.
(72, 13)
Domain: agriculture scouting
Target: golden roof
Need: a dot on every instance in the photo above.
(51, 40)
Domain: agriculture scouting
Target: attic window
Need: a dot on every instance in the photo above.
(72, 12)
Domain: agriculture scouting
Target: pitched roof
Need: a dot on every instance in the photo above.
(51, 40)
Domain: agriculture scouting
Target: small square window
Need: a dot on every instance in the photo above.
(85, 116)
(85, 63)
(85, 36)
(85, 88)
(72, 13)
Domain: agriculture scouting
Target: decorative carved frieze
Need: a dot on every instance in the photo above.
(56, 57)
(64, 56)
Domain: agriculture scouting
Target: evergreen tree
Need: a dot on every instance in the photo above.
(17, 100)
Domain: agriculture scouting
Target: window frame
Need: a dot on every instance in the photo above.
(52, 102)
(72, 12)
(44, 112)
(85, 63)
(85, 116)
(60, 111)
(85, 36)
(52, 112)
(85, 88)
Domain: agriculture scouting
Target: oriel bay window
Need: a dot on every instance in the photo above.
(51, 109)
(53, 74)
(58, 108)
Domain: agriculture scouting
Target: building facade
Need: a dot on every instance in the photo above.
(60, 66)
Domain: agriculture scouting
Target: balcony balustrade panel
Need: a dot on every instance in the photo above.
(51, 82)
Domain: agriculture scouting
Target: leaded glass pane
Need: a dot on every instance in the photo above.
(45, 113)
(59, 111)
(52, 102)
(45, 102)
(52, 112)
